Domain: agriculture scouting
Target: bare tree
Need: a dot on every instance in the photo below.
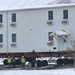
(63, 1)
(71, 41)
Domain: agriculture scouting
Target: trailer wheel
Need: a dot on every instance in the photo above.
(18, 62)
(59, 62)
(5, 62)
(31, 64)
(38, 63)
(71, 61)
(66, 61)
(44, 63)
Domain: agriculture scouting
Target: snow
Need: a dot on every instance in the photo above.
(24, 4)
(68, 71)
(64, 71)
(60, 33)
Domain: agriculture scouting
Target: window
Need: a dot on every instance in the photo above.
(1, 38)
(65, 39)
(1, 18)
(50, 38)
(13, 37)
(14, 17)
(65, 14)
(50, 15)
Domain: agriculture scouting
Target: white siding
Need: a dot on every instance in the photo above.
(32, 29)
(3, 30)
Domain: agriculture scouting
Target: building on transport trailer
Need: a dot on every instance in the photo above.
(42, 26)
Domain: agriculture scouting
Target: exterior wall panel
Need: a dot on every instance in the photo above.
(32, 29)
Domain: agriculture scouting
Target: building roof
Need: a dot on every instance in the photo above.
(30, 4)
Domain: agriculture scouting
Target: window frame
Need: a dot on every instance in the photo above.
(65, 37)
(1, 38)
(14, 37)
(50, 15)
(1, 18)
(50, 38)
(13, 17)
(65, 14)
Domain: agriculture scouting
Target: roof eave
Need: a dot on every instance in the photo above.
(40, 7)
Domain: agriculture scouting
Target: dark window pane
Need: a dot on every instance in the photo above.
(66, 38)
(50, 38)
(1, 18)
(65, 14)
(50, 15)
(14, 17)
(13, 37)
(1, 38)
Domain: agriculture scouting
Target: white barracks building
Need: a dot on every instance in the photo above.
(40, 25)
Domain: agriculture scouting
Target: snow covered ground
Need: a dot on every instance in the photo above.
(66, 71)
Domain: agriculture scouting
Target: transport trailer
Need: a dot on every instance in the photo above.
(31, 57)
(39, 54)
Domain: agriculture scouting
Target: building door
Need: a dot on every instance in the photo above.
(62, 43)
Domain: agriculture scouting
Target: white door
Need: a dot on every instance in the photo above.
(62, 43)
